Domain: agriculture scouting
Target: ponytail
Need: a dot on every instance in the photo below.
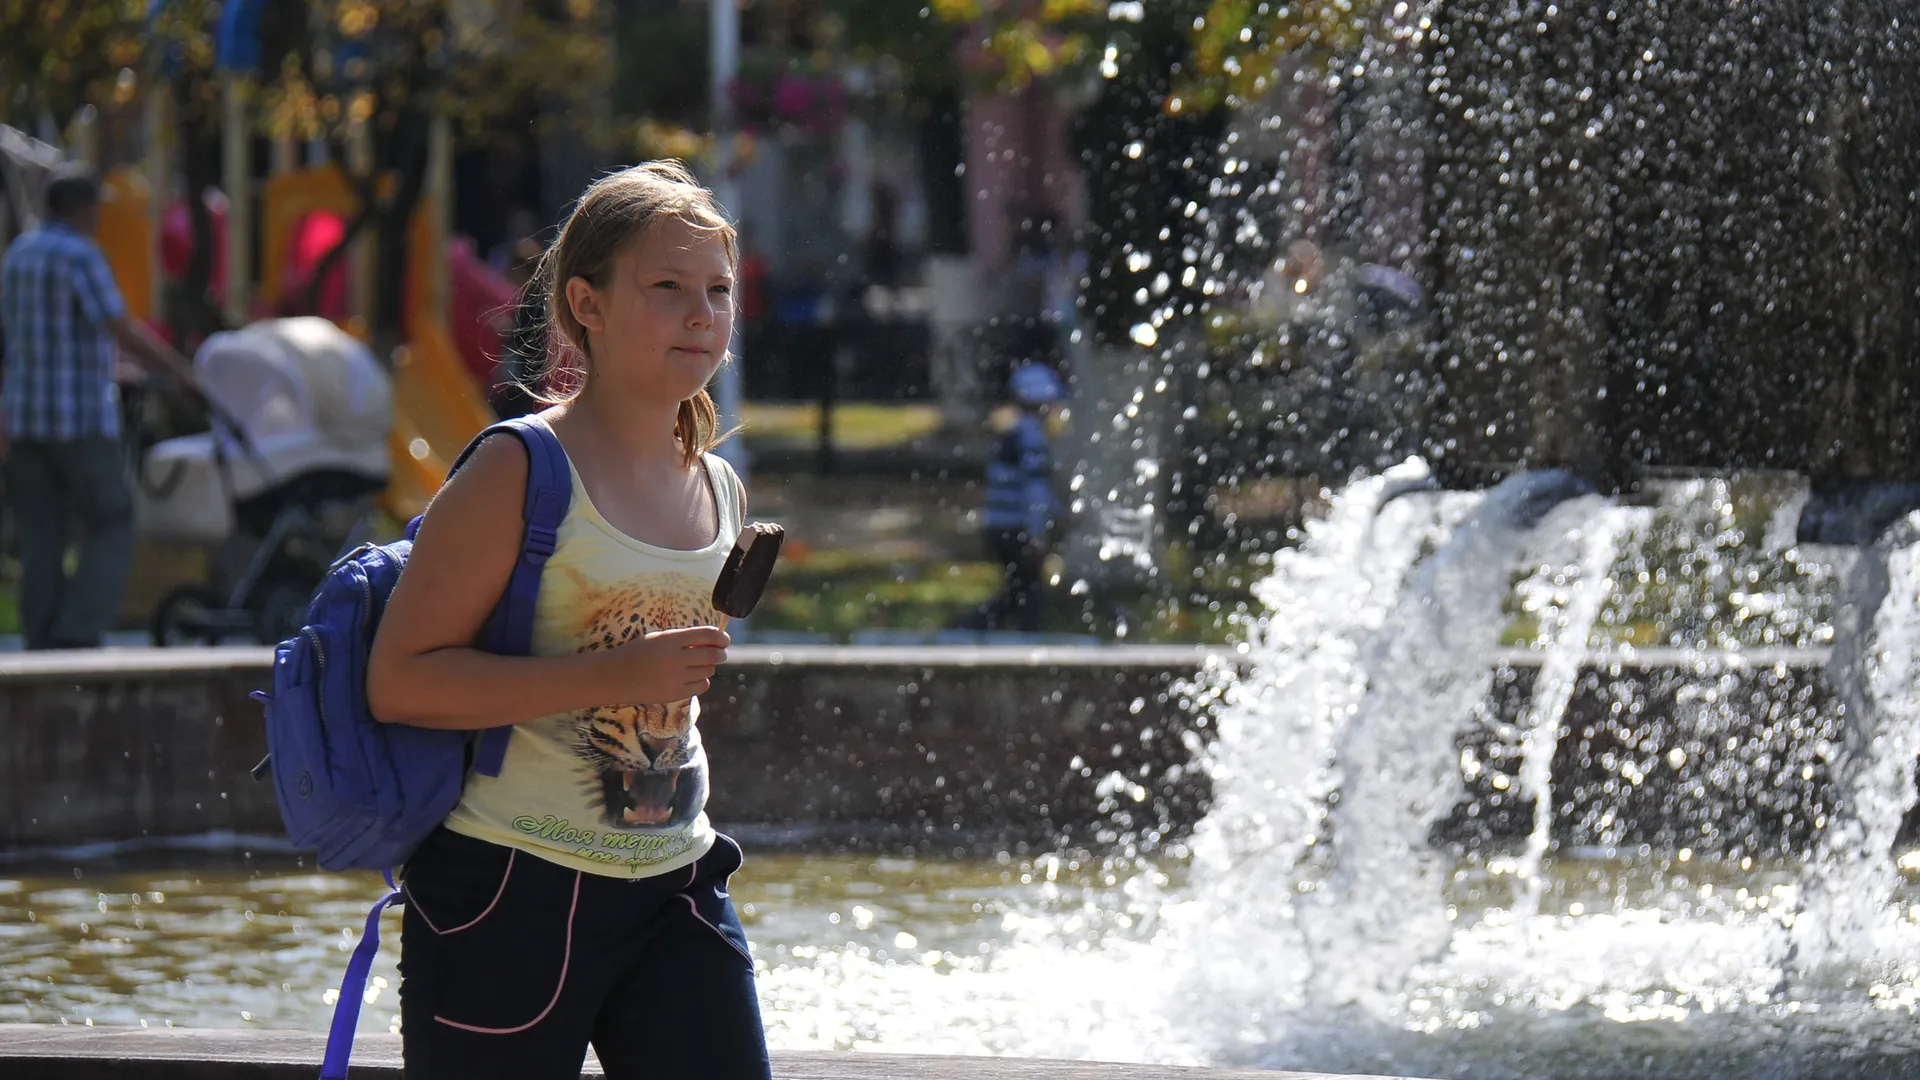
(698, 426)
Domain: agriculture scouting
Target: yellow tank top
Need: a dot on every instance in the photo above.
(619, 790)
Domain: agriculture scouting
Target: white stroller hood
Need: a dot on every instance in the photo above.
(310, 398)
(309, 395)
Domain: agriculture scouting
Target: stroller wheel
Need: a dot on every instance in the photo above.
(187, 616)
(280, 611)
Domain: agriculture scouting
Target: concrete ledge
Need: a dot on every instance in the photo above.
(114, 663)
(133, 663)
(55, 1052)
(937, 748)
(1677, 659)
(968, 749)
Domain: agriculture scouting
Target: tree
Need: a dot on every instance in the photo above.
(57, 55)
(1238, 44)
(181, 60)
(358, 73)
(369, 76)
(1147, 157)
(1001, 44)
(1166, 71)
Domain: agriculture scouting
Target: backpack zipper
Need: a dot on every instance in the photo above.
(320, 653)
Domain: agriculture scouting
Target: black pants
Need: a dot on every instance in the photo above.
(510, 965)
(1023, 566)
(70, 493)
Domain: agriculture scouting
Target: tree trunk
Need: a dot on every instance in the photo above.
(192, 310)
(408, 159)
(404, 155)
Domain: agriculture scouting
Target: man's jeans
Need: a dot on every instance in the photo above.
(74, 493)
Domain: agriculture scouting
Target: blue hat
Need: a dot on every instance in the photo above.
(1034, 384)
(1394, 288)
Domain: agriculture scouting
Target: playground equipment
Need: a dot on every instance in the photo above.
(439, 402)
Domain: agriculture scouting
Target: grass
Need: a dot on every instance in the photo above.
(840, 592)
(856, 425)
(1670, 589)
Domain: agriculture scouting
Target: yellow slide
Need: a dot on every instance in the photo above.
(125, 235)
(437, 410)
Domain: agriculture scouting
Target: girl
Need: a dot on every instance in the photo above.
(615, 929)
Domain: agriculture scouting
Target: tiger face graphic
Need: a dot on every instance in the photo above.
(646, 764)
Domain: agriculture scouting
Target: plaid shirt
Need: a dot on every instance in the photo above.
(56, 297)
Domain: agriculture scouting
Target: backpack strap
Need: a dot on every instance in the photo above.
(509, 633)
(353, 989)
(549, 493)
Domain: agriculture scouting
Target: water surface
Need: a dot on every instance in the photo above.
(1636, 965)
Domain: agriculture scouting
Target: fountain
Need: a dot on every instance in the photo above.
(1662, 248)
(1676, 236)
(1875, 666)
(1596, 324)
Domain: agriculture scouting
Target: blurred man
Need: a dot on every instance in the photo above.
(66, 471)
(1022, 508)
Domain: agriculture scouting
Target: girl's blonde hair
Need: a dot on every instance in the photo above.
(614, 212)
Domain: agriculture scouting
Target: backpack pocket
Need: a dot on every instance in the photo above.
(297, 743)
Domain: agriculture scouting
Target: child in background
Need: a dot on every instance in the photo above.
(616, 929)
(1022, 508)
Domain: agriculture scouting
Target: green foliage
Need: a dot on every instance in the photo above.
(1237, 44)
(57, 55)
(327, 65)
(1147, 159)
(998, 44)
(347, 62)
(556, 58)
(1234, 45)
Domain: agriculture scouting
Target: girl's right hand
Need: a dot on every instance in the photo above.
(665, 666)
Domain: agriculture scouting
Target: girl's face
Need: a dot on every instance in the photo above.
(661, 326)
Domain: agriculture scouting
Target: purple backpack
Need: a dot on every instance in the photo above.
(361, 794)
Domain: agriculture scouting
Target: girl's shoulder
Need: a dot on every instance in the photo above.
(493, 472)
(728, 481)
(720, 465)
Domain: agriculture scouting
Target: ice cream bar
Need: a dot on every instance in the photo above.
(748, 566)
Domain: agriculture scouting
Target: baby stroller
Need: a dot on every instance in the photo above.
(301, 413)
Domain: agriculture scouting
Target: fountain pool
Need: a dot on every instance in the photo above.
(1323, 915)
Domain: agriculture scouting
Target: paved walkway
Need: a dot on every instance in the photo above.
(121, 639)
(54, 1052)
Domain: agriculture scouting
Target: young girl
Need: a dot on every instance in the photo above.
(615, 929)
